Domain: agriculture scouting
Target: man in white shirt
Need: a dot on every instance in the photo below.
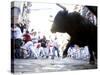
(17, 32)
(55, 47)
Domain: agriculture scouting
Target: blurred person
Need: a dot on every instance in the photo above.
(28, 50)
(27, 37)
(17, 39)
(16, 34)
(29, 46)
(43, 42)
(55, 48)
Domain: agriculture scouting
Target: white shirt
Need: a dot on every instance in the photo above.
(55, 43)
(17, 33)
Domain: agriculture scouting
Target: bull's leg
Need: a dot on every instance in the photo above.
(96, 51)
(95, 54)
(66, 50)
(91, 60)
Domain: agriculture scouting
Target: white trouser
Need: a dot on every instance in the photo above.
(51, 51)
(46, 50)
(34, 52)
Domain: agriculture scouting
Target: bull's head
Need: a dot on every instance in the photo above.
(66, 22)
(59, 22)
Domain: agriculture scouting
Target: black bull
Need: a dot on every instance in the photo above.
(81, 30)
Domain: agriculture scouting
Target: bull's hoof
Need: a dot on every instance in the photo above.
(92, 62)
(64, 56)
(52, 57)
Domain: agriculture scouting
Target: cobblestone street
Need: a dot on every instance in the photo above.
(49, 65)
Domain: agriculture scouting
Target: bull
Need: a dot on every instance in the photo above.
(82, 31)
